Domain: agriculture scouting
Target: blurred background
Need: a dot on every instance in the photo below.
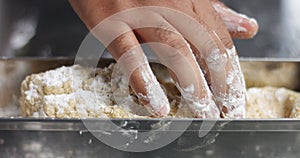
(51, 28)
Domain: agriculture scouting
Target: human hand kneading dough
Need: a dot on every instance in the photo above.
(209, 77)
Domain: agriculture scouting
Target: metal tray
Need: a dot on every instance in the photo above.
(36, 137)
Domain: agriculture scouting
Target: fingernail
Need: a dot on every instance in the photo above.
(253, 21)
(164, 111)
(158, 103)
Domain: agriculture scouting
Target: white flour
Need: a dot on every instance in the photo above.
(216, 61)
(155, 95)
(233, 24)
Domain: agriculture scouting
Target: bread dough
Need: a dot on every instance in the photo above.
(270, 102)
(69, 92)
(77, 92)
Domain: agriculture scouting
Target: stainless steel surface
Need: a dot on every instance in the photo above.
(32, 137)
(229, 141)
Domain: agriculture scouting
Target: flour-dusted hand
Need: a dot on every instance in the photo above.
(188, 36)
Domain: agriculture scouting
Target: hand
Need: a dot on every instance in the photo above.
(208, 75)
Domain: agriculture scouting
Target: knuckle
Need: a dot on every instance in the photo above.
(121, 45)
(164, 31)
(212, 21)
(178, 45)
(222, 32)
(180, 50)
(175, 56)
(227, 41)
(166, 26)
(162, 34)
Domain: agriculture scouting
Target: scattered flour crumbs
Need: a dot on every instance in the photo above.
(78, 92)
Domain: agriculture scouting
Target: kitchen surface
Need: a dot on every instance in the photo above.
(41, 35)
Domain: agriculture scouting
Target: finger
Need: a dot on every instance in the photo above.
(210, 37)
(222, 65)
(129, 55)
(173, 51)
(238, 25)
(126, 50)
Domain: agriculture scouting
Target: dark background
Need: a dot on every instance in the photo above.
(51, 28)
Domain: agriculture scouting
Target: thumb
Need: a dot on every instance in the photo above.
(238, 25)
